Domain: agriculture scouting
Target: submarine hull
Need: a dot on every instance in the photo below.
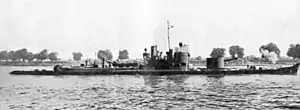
(292, 70)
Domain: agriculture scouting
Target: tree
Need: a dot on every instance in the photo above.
(110, 56)
(30, 56)
(233, 51)
(123, 54)
(43, 55)
(199, 58)
(12, 55)
(240, 53)
(21, 54)
(77, 56)
(294, 51)
(106, 54)
(271, 47)
(218, 52)
(53, 56)
(102, 54)
(4, 55)
(270, 52)
(236, 50)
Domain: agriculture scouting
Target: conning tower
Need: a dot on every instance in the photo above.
(173, 60)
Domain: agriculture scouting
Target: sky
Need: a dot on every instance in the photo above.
(86, 26)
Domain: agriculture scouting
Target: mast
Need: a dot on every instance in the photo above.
(168, 34)
(169, 27)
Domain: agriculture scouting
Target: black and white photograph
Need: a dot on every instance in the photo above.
(149, 54)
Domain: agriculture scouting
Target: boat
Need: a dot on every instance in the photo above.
(292, 70)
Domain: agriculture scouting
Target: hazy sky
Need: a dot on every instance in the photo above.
(86, 26)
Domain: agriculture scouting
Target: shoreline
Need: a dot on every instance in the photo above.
(194, 63)
(251, 64)
(37, 63)
(69, 64)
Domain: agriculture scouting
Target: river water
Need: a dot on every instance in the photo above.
(131, 92)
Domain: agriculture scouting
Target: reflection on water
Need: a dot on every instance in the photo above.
(155, 80)
(148, 92)
(215, 82)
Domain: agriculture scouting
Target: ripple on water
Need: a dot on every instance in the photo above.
(156, 92)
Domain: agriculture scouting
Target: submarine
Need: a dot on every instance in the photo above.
(175, 62)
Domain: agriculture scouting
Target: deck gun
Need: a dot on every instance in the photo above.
(230, 59)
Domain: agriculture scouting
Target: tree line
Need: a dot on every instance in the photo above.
(235, 51)
(24, 55)
(103, 54)
(269, 52)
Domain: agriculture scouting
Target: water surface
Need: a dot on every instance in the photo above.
(147, 92)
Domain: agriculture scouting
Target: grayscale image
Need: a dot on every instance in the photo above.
(149, 54)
